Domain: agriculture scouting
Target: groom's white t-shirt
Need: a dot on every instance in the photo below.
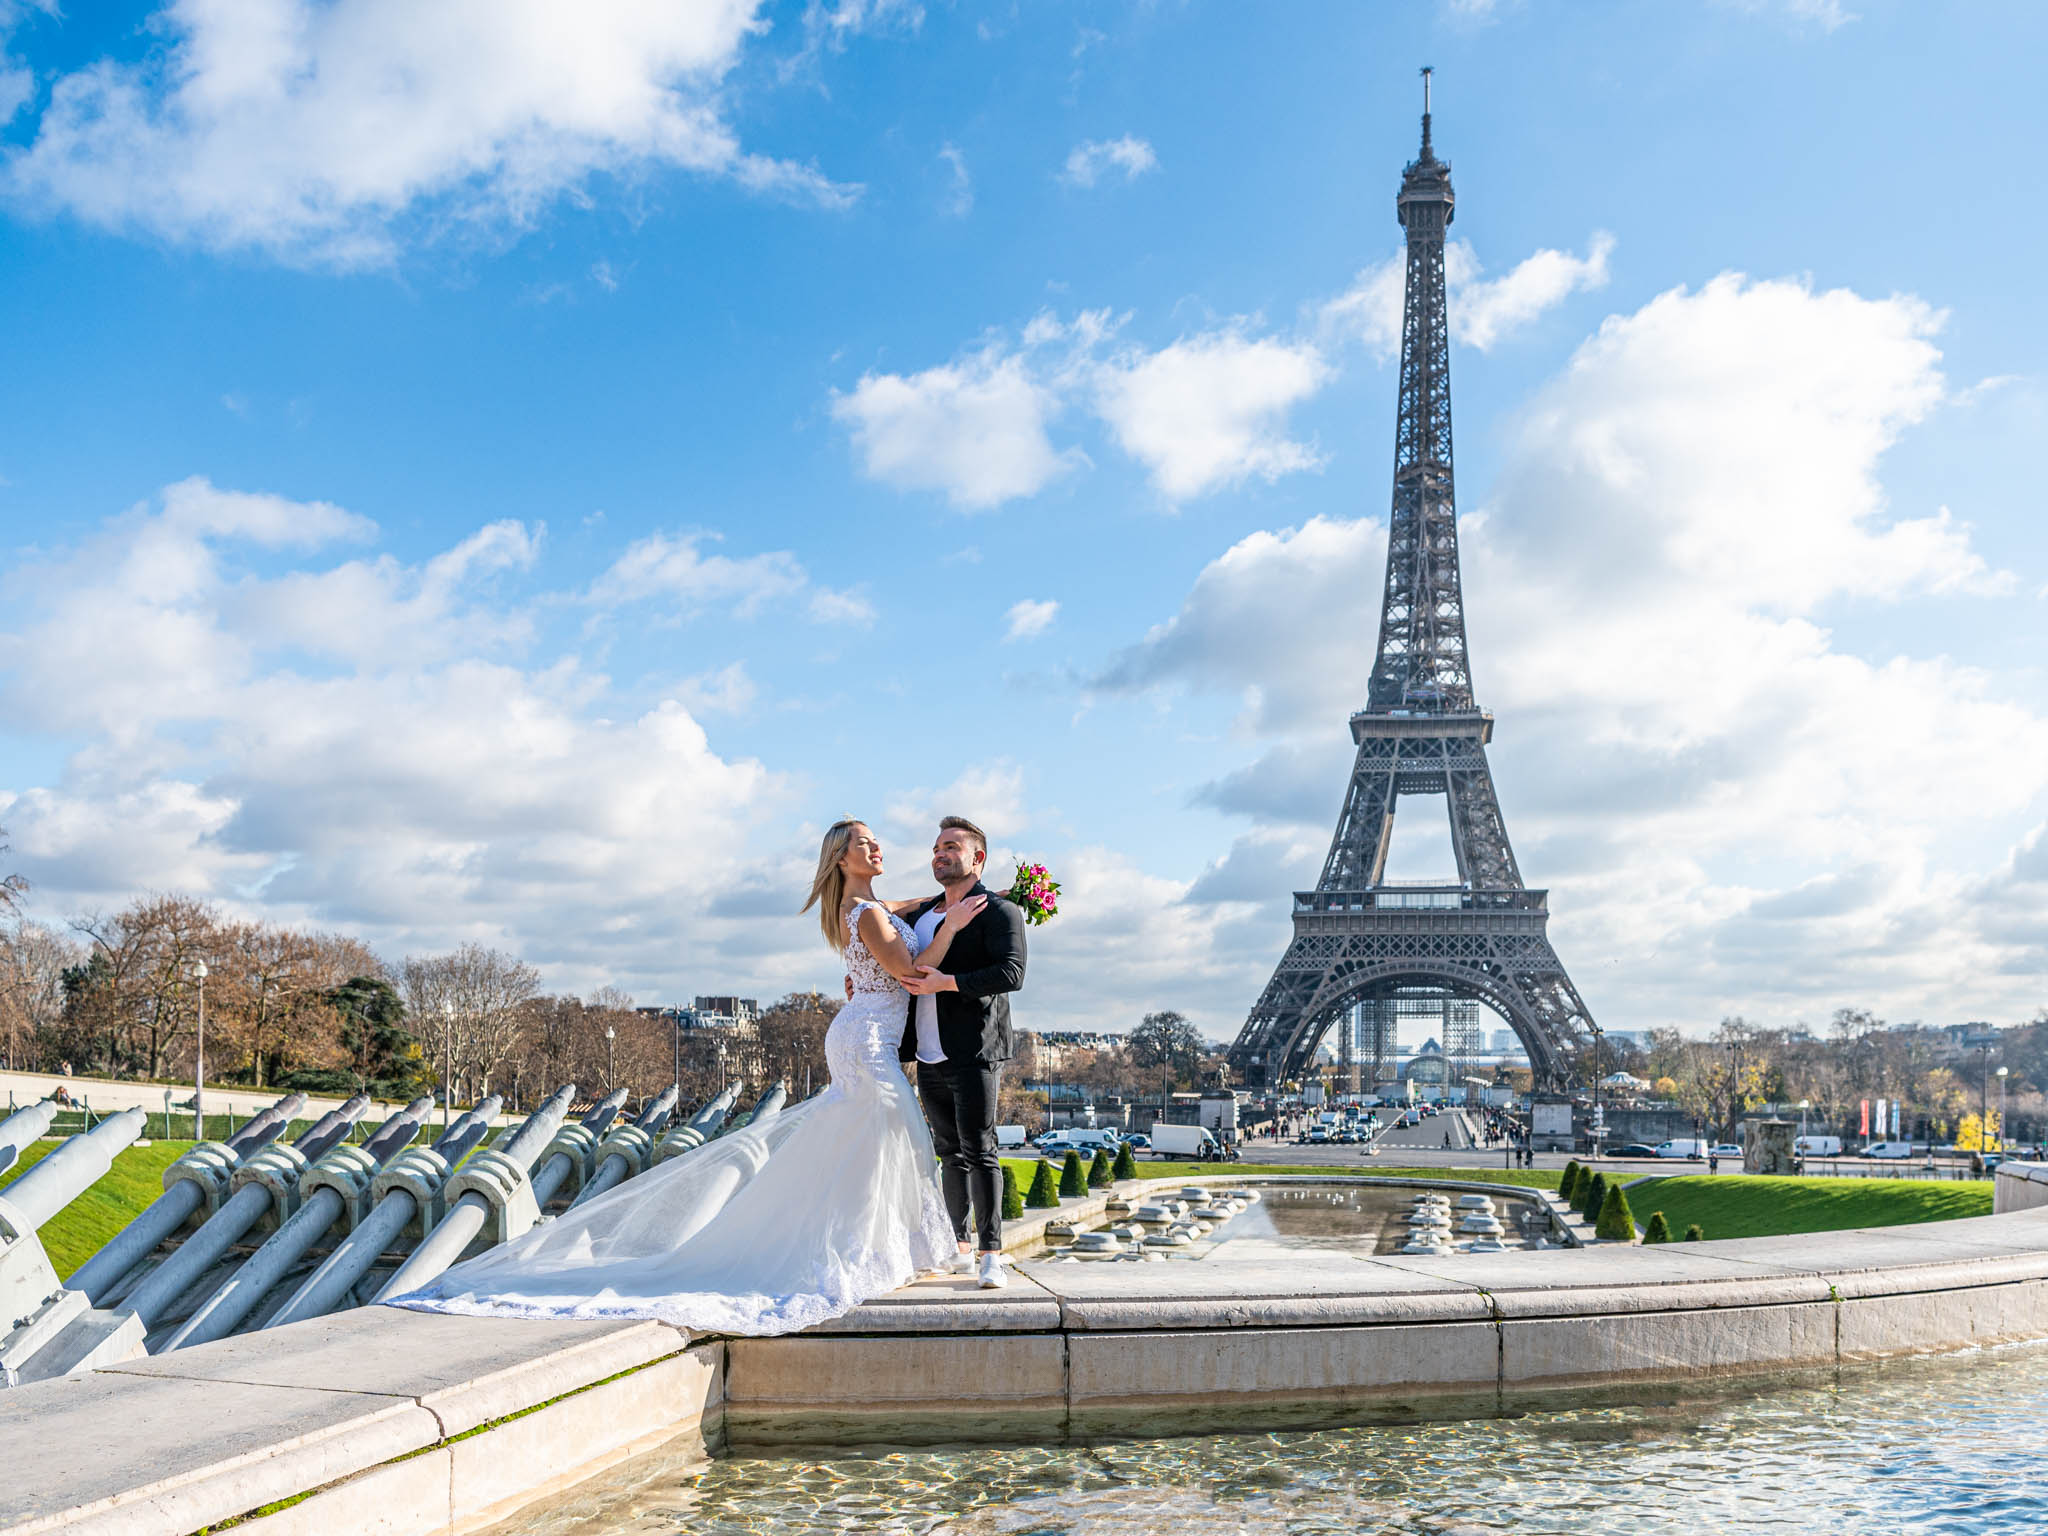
(928, 1047)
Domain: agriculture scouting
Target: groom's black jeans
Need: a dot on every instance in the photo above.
(960, 1102)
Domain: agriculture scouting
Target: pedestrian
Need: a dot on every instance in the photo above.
(1713, 1162)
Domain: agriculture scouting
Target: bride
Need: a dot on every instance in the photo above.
(773, 1227)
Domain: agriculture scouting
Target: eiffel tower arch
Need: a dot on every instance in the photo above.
(1360, 939)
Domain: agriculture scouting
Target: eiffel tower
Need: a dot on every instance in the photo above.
(1366, 950)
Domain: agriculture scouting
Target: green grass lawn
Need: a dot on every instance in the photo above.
(1755, 1206)
(78, 1231)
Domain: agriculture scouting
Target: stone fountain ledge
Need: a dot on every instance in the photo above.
(378, 1420)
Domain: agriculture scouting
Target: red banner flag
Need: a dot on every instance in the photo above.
(1866, 1117)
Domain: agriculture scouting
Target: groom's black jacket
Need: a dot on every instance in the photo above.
(986, 959)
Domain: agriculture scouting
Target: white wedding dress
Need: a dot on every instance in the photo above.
(766, 1230)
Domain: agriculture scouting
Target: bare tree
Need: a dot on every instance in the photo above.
(33, 960)
(274, 1003)
(12, 886)
(472, 1003)
(1166, 1045)
(142, 993)
(792, 1035)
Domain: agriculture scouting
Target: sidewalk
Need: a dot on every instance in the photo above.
(108, 1096)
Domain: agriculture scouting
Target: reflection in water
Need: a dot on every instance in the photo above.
(1948, 1446)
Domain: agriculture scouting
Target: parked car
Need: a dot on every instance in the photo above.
(1139, 1143)
(1634, 1149)
(1079, 1138)
(1724, 1149)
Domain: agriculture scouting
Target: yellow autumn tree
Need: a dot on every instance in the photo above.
(1970, 1132)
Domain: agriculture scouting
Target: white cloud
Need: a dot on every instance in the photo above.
(991, 795)
(1210, 410)
(974, 430)
(959, 199)
(416, 791)
(1240, 628)
(1734, 812)
(674, 567)
(1486, 311)
(1825, 14)
(328, 133)
(1201, 414)
(1095, 159)
(728, 691)
(1029, 618)
(1483, 311)
(830, 606)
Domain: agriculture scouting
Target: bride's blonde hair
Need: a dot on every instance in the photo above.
(828, 885)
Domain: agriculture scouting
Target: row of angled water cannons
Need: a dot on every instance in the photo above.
(252, 1232)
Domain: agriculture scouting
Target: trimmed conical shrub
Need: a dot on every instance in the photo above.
(1045, 1187)
(1126, 1166)
(1592, 1192)
(1098, 1168)
(1617, 1223)
(1568, 1186)
(1013, 1194)
(1695, 1233)
(1073, 1178)
(1659, 1230)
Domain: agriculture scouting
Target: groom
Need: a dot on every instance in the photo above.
(958, 1030)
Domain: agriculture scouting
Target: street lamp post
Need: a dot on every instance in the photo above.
(447, 1062)
(199, 1058)
(1984, 1101)
(679, 1058)
(2001, 1109)
(610, 1058)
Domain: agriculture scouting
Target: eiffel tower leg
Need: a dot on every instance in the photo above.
(1263, 1047)
(1358, 852)
(1565, 1028)
(1479, 833)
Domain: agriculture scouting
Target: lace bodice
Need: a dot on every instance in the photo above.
(868, 973)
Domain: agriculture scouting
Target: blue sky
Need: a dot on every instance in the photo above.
(516, 473)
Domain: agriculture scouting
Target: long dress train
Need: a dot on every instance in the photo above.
(764, 1231)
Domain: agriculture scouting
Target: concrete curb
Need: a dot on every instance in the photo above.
(401, 1422)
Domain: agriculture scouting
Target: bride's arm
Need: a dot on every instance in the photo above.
(887, 946)
(906, 907)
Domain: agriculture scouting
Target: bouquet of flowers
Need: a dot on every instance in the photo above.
(1036, 892)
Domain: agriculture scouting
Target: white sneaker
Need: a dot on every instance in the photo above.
(992, 1276)
(960, 1264)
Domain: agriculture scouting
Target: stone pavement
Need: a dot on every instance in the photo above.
(381, 1420)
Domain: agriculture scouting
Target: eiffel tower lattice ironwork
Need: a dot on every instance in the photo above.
(1360, 941)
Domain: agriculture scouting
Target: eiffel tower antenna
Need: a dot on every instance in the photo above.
(1437, 949)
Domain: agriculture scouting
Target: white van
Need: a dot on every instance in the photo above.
(1184, 1141)
(1681, 1149)
(1889, 1149)
(1817, 1146)
(1010, 1136)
